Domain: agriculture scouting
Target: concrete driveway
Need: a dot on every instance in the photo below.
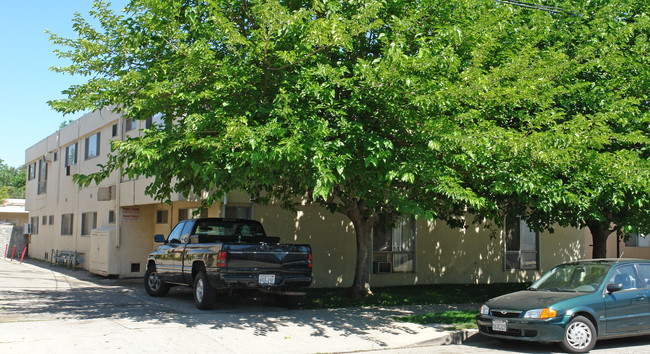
(49, 309)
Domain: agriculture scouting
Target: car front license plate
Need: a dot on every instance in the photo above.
(266, 279)
(500, 325)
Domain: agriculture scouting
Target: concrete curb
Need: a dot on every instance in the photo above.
(450, 338)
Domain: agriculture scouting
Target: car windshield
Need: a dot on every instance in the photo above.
(573, 277)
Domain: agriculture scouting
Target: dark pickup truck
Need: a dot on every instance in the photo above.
(215, 255)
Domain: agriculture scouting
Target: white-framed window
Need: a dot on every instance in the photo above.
(50, 220)
(162, 216)
(34, 222)
(31, 171)
(67, 223)
(88, 222)
(92, 146)
(129, 124)
(71, 155)
(522, 245)
(111, 216)
(42, 177)
(393, 245)
(44, 220)
(638, 240)
(114, 130)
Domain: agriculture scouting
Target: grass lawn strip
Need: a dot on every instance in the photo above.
(455, 319)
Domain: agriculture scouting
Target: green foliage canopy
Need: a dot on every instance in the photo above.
(435, 108)
(12, 181)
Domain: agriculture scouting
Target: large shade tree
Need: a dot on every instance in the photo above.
(372, 108)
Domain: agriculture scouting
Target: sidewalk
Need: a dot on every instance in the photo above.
(52, 309)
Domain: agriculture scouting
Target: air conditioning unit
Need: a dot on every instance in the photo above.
(382, 267)
(27, 229)
(105, 193)
(49, 157)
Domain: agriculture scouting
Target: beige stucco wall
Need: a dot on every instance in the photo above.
(442, 255)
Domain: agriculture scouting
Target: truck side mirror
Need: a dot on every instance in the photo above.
(613, 287)
(159, 238)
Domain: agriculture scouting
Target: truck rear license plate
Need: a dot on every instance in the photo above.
(266, 279)
(500, 325)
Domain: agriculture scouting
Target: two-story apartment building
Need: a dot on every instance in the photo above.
(112, 224)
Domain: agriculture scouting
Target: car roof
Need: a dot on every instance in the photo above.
(609, 261)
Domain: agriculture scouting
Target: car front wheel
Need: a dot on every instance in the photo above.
(579, 336)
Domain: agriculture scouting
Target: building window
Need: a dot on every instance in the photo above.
(51, 220)
(33, 221)
(114, 131)
(42, 177)
(66, 224)
(70, 157)
(44, 220)
(55, 156)
(393, 245)
(111, 216)
(637, 240)
(129, 124)
(92, 146)
(162, 216)
(155, 120)
(239, 212)
(88, 222)
(522, 245)
(189, 213)
(31, 171)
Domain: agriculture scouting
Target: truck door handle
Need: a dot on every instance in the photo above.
(641, 297)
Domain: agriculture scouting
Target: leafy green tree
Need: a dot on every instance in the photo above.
(372, 108)
(566, 108)
(12, 180)
(283, 99)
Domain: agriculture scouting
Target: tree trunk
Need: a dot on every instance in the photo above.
(363, 229)
(599, 235)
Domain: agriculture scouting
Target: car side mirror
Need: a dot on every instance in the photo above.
(159, 238)
(614, 287)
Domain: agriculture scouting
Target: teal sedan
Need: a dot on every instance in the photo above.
(575, 304)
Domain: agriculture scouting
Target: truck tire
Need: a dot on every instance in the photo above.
(204, 293)
(153, 284)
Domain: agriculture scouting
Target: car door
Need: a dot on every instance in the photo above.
(626, 310)
(644, 274)
(180, 252)
(165, 263)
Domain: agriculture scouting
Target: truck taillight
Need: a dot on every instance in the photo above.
(309, 259)
(221, 259)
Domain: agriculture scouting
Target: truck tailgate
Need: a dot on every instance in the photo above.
(262, 258)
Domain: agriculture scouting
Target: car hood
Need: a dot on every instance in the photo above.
(527, 300)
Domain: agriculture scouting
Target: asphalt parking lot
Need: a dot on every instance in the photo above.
(48, 309)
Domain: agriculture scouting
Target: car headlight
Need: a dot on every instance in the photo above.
(485, 310)
(541, 313)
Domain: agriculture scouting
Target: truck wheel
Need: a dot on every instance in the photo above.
(579, 336)
(153, 284)
(204, 293)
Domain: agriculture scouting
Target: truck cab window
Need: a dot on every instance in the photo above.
(175, 235)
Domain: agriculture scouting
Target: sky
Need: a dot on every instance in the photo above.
(26, 81)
